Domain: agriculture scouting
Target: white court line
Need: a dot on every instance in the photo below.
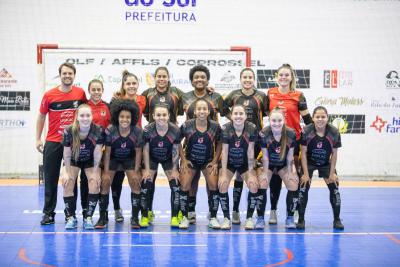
(199, 233)
(153, 245)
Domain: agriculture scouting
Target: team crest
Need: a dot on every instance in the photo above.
(75, 104)
(237, 143)
(103, 113)
(82, 146)
(319, 145)
(246, 103)
(278, 150)
(200, 140)
(162, 99)
(123, 145)
(161, 144)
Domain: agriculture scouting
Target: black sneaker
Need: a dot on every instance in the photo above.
(102, 222)
(47, 219)
(135, 223)
(337, 224)
(301, 224)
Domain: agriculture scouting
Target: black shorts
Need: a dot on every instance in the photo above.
(83, 164)
(242, 169)
(122, 164)
(166, 165)
(323, 171)
(276, 168)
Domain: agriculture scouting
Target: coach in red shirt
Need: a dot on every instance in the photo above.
(60, 104)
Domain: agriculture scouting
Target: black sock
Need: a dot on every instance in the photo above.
(92, 202)
(291, 201)
(214, 201)
(183, 199)
(275, 190)
(335, 200)
(192, 204)
(135, 202)
(152, 190)
(261, 202)
(303, 200)
(70, 206)
(116, 188)
(224, 200)
(144, 197)
(251, 204)
(103, 202)
(174, 197)
(237, 194)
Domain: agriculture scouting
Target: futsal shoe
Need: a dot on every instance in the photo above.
(249, 224)
(273, 218)
(135, 223)
(144, 222)
(192, 217)
(226, 225)
(260, 223)
(88, 223)
(175, 221)
(290, 223)
(337, 224)
(301, 224)
(71, 223)
(150, 215)
(235, 217)
(180, 216)
(214, 223)
(184, 224)
(118, 216)
(103, 221)
(47, 219)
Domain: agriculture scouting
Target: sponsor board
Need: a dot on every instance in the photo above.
(386, 124)
(338, 79)
(15, 100)
(266, 78)
(392, 80)
(348, 123)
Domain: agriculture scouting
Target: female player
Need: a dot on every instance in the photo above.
(294, 104)
(319, 144)
(124, 141)
(277, 144)
(238, 139)
(201, 154)
(165, 94)
(82, 143)
(162, 144)
(255, 103)
(128, 91)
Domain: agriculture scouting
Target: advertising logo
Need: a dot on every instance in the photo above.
(12, 100)
(338, 79)
(167, 11)
(6, 79)
(12, 123)
(392, 80)
(348, 123)
(343, 101)
(392, 102)
(266, 78)
(386, 126)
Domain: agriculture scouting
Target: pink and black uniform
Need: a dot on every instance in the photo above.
(238, 145)
(123, 148)
(273, 147)
(200, 146)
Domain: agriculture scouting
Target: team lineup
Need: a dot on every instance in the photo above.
(106, 142)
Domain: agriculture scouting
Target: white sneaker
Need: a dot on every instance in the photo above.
(226, 225)
(192, 217)
(235, 217)
(273, 219)
(249, 224)
(184, 224)
(214, 223)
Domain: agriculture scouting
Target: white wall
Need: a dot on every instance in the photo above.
(361, 37)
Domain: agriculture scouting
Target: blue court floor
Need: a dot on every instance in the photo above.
(371, 237)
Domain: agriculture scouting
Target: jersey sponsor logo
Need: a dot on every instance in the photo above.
(123, 145)
(319, 145)
(161, 144)
(392, 80)
(200, 140)
(75, 104)
(237, 143)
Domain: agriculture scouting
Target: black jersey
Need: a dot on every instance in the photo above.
(238, 145)
(255, 105)
(123, 147)
(160, 147)
(200, 146)
(214, 100)
(273, 147)
(319, 149)
(172, 97)
(94, 137)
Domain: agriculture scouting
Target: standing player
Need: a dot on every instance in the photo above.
(82, 143)
(165, 94)
(319, 144)
(294, 104)
(277, 144)
(128, 91)
(162, 144)
(124, 141)
(238, 139)
(60, 103)
(201, 154)
(255, 103)
(199, 77)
